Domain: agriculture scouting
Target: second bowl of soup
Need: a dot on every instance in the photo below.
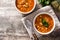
(25, 6)
(44, 23)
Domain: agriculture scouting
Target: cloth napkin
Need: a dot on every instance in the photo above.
(49, 10)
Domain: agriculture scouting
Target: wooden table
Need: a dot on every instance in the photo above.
(11, 27)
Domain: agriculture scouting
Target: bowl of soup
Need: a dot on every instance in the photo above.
(44, 23)
(25, 6)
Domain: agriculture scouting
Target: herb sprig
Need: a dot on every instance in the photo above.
(45, 23)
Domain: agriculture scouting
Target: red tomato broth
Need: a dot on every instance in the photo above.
(25, 5)
(42, 28)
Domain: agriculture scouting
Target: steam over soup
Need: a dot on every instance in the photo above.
(25, 5)
(44, 23)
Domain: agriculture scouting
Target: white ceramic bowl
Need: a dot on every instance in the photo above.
(39, 31)
(28, 11)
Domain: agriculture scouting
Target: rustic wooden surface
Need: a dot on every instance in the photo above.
(11, 27)
(57, 14)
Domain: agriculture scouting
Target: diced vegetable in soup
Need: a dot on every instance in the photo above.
(25, 5)
(44, 23)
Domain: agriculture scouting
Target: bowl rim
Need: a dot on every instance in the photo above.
(28, 11)
(50, 30)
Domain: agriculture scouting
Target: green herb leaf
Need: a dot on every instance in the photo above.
(47, 2)
(45, 23)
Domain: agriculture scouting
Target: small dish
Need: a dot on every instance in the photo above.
(27, 12)
(44, 33)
